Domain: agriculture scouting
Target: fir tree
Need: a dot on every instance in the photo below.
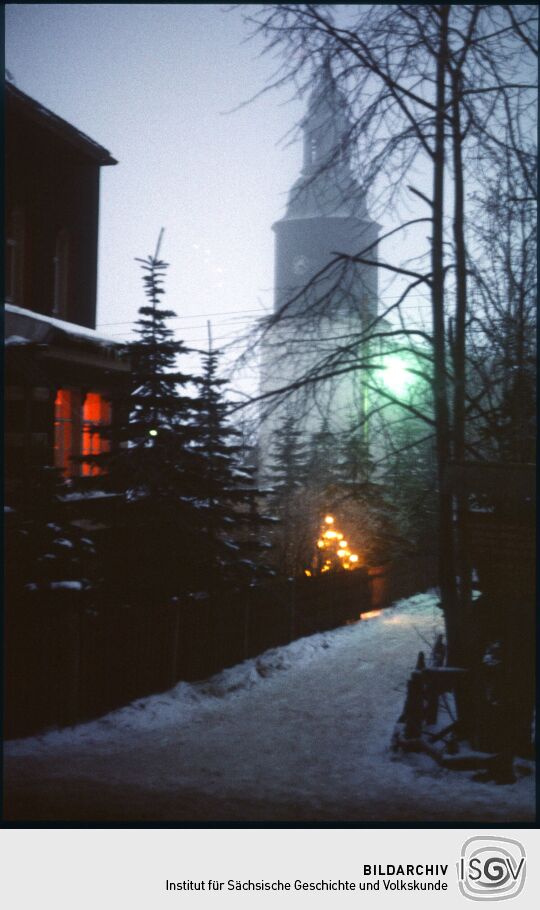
(156, 466)
(322, 464)
(157, 459)
(227, 513)
(355, 466)
(288, 461)
(410, 484)
(361, 500)
(290, 500)
(45, 551)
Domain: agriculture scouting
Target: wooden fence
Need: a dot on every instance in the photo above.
(70, 657)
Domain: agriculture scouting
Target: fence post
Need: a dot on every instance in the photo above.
(72, 644)
(174, 649)
(247, 616)
(292, 607)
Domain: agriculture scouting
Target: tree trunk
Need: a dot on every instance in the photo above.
(458, 356)
(447, 579)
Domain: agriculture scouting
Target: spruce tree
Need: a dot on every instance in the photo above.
(288, 461)
(355, 466)
(361, 499)
(322, 464)
(157, 459)
(156, 467)
(45, 551)
(289, 499)
(227, 512)
(410, 483)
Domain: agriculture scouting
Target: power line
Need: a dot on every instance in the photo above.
(200, 315)
(223, 325)
(262, 315)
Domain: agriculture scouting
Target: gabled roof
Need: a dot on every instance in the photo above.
(23, 104)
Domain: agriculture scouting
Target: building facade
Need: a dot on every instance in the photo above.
(62, 378)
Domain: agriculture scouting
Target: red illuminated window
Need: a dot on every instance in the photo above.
(64, 413)
(96, 414)
(77, 430)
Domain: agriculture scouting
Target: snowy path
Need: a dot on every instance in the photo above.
(301, 732)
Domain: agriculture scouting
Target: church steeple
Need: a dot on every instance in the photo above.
(326, 186)
(319, 298)
(326, 212)
(326, 126)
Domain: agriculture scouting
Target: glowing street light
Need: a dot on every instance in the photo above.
(396, 376)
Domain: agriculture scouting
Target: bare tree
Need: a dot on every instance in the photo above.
(502, 353)
(426, 86)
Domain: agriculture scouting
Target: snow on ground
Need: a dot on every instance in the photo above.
(301, 732)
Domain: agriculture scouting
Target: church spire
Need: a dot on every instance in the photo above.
(326, 186)
(326, 126)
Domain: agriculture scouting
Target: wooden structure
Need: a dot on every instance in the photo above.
(495, 691)
(75, 655)
(62, 379)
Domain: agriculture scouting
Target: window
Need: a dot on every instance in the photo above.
(96, 414)
(77, 430)
(64, 435)
(14, 257)
(61, 269)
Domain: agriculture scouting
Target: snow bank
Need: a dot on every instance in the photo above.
(301, 731)
(179, 704)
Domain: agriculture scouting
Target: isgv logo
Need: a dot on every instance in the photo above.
(491, 868)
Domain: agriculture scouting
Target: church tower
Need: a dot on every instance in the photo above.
(326, 211)
(326, 215)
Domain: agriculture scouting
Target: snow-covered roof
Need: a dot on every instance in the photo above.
(26, 326)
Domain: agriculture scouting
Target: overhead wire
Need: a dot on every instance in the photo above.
(262, 314)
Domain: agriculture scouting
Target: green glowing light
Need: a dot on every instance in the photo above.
(152, 432)
(396, 377)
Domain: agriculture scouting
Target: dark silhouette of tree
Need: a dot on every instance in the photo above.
(45, 551)
(157, 459)
(155, 465)
(323, 459)
(502, 356)
(427, 86)
(228, 518)
(289, 499)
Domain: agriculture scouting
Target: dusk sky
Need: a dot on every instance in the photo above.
(156, 84)
(153, 84)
